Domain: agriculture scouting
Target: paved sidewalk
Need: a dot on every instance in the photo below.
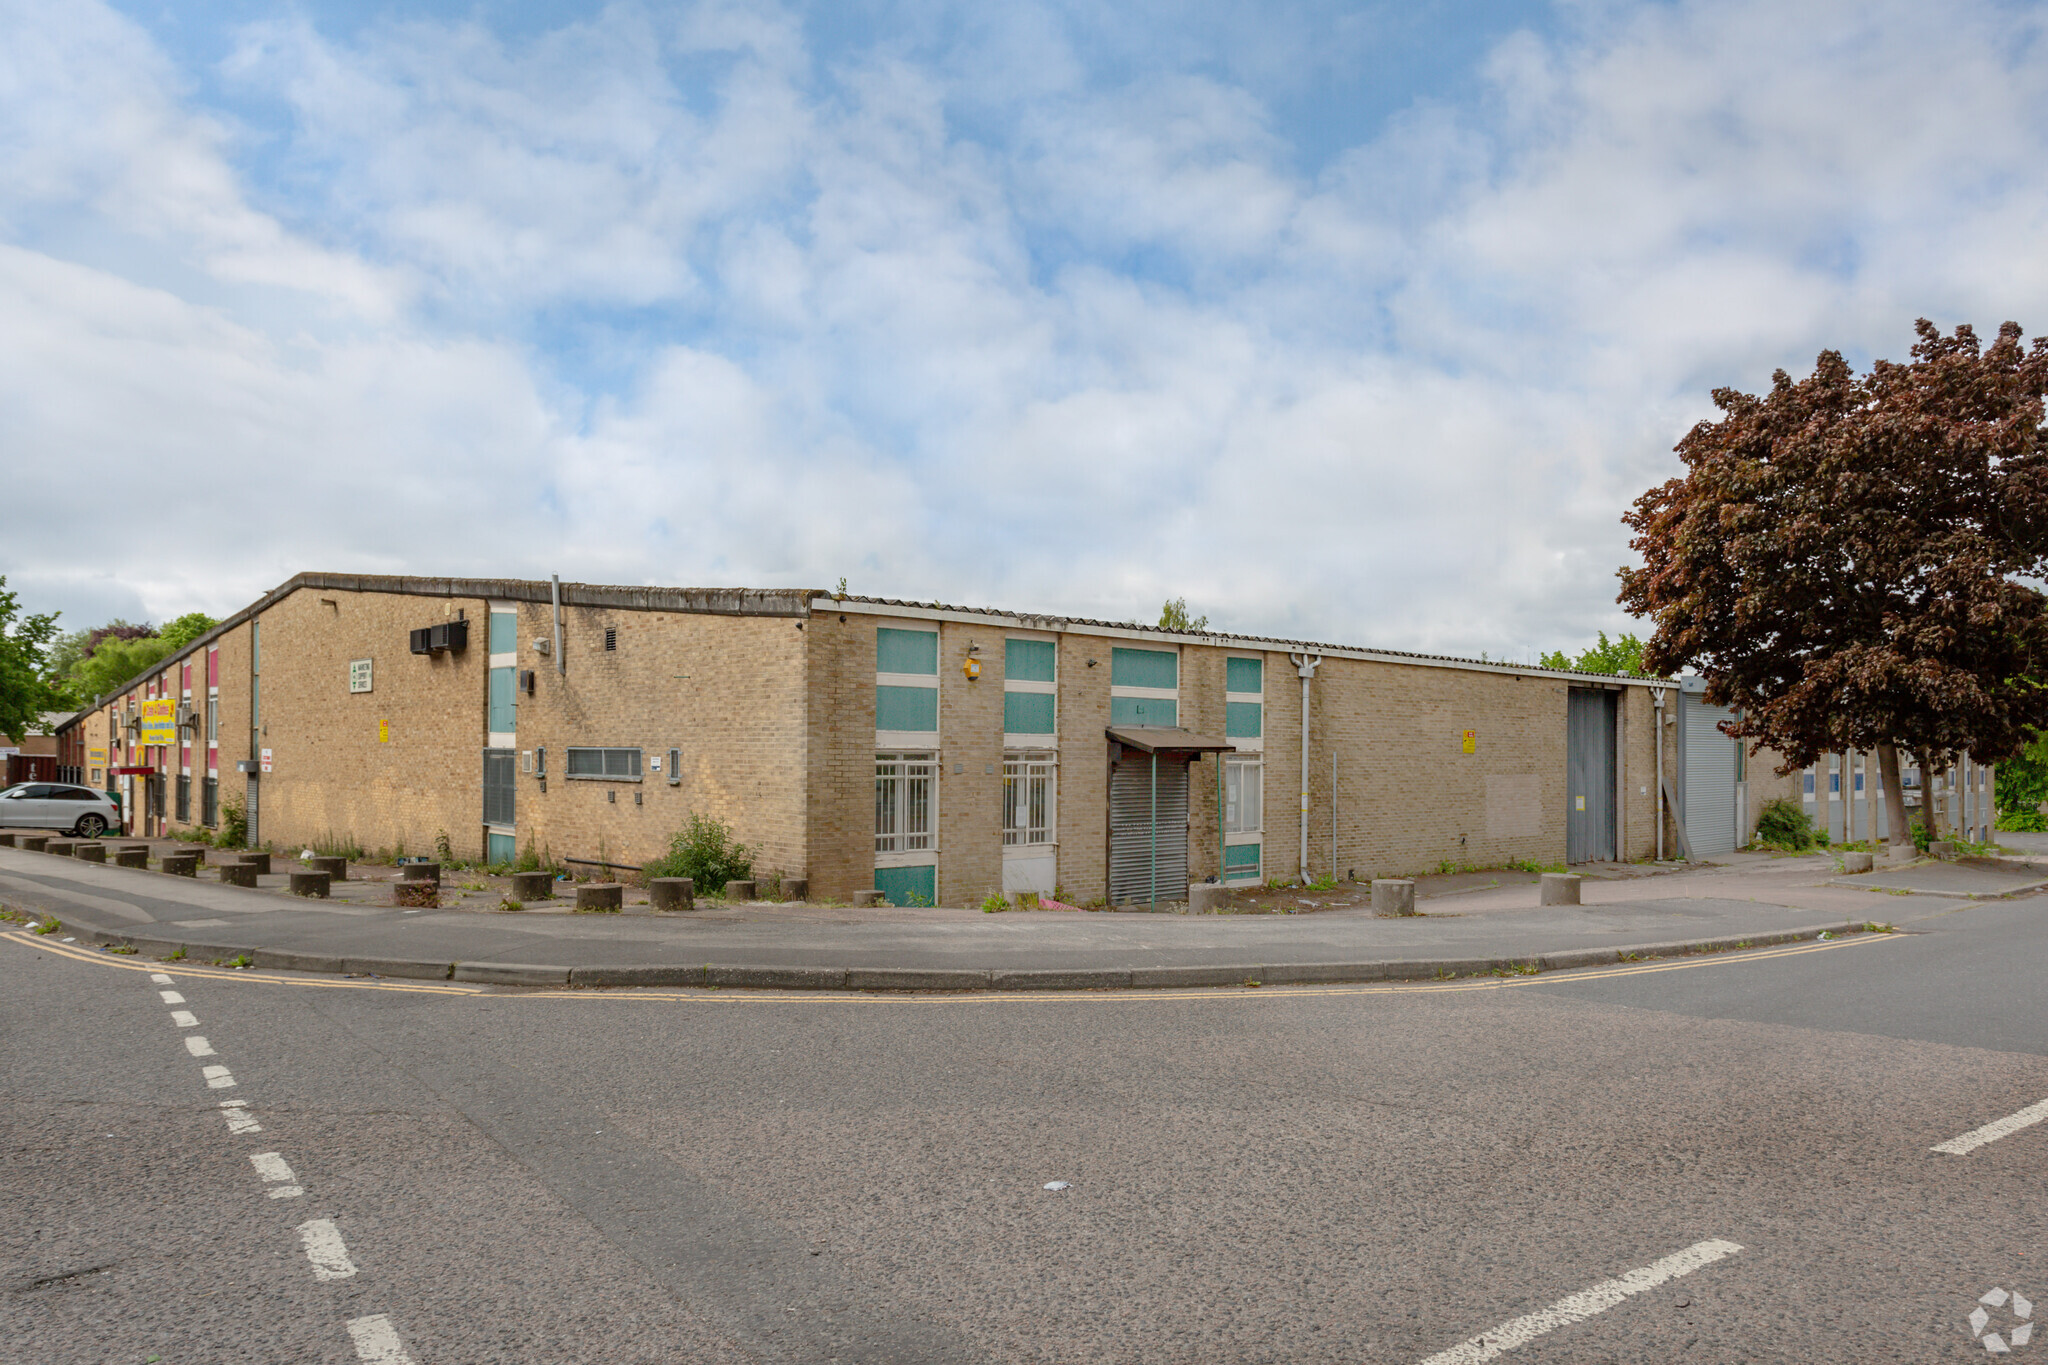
(1480, 931)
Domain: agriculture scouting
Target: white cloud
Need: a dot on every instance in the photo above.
(673, 298)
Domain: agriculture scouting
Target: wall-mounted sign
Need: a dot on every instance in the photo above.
(266, 760)
(160, 721)
(96, 756)
(383, 732)
(358, 675)
(1471, 741)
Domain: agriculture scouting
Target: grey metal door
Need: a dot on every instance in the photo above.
(1589, 776)
(1135, 841)
(1707, 772)
(501, 778)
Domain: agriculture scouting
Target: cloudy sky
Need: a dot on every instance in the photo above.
(1361, 322)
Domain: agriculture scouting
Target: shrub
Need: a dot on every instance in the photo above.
(1922, 837)
(2023, 821)
(706, 853)
(994, 903)
(234, 824)
(1782, 824)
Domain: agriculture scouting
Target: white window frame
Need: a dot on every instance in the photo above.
(1245, 744)
(1171, 694)
(901, 847)
(639, 761)
(1024, 765)
(897, 740)
(1051, 741)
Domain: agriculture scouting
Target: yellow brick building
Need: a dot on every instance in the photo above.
(937, 753)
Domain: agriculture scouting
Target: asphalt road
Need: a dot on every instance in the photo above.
(1342, 1174)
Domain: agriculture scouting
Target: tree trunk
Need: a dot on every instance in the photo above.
(1896, 833)
(1930, 789)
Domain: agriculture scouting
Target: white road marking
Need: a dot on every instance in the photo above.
(1582, 1305)
(160, 978)
(1992, 1132)
(198, 1046)
(324, 1248)
(240, 1120)
(184, 1018)
(377, 1341)
(172, 997)
(271, 1167)
(199, 923)
(218, 1077)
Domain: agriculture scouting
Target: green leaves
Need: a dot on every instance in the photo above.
(24, 642)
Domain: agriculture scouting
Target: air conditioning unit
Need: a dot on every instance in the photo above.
(448, 637)
(188, 716)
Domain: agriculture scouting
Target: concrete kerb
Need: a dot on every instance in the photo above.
(931, 979)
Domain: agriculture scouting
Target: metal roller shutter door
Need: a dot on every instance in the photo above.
(1130, 829)
(1707, 797)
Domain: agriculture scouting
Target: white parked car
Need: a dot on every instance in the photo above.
(74, 810)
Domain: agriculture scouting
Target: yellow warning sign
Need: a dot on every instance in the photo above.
(383, 732)
(1471, 741)
(1582, 803)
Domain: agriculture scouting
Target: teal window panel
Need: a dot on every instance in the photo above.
(1143, 711)
(500, 848)
(503, 715)
(908, 885)
(1027, 713)
(1245, 675)
(906, 651)
(1242, 719)
(907, 708)
(504, 632)
(1143, 668)
(1241, 857)
(1028, 660)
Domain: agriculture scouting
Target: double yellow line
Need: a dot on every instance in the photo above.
(1732, 957)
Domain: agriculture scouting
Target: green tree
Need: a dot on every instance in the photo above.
(25, 692)
(187, 628)
(1851, 560)
(1622, 657)
(1174, 616)
(115, 662)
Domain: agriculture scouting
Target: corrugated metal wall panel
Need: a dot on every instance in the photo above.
(1589, 776)
(1130, 829)
(1706, 793)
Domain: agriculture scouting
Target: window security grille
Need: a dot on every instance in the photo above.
(1027, 799)
(184, 798)
(904, 811)
(611, 637)
(675, 767)
(605, 764)
(209, 802)
(1241, 793)
(500, 774)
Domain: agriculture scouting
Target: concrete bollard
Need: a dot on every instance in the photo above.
(90, 853)
(420, 872)
(181, 864)
(533, 886)
(739, 891)
(1856, 862)
(672, 893)
(600, 897)
(335, 868)
(866, 899)
(1208, 898)
(795, 889)
(314, 884)
(131, 857)
(1941, 848)
(59, 848)
(1558, 888)
(1392, 896)
(238, 874)
(34, 842)
(259, 861)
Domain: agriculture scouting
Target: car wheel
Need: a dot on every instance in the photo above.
(91, 826)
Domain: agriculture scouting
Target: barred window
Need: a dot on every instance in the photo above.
(904, 805)
(610, 765)
(1028, 779)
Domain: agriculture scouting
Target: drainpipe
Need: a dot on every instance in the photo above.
(1305, 666)
(561, 664)
(1657, 697)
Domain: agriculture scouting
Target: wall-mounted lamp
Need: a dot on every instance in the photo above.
(1091, 663)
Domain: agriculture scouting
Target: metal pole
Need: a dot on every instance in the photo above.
(1333, 812)
(1305, 665)
(1222, 867)
(1155, 829)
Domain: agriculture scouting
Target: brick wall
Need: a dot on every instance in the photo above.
(971, 777)
(1084, 767)
(839, 777)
